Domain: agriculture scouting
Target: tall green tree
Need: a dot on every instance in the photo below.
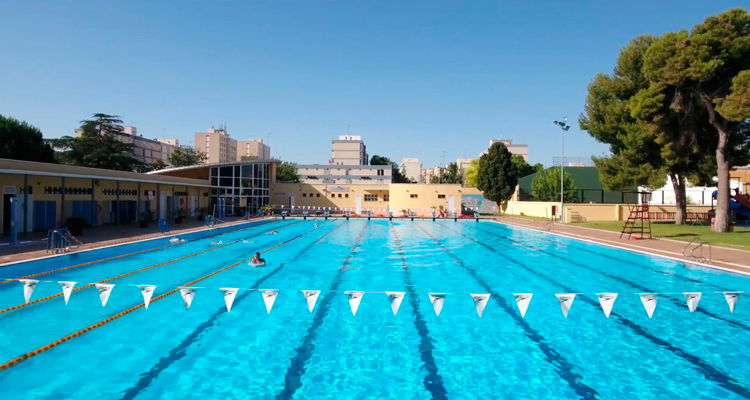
(546, 186)
(98, 145)
(497, 176)
(471, 173)
(648, 136)
(186, 156)
(21, 141)
(524, 168)
(452, 174)
(710, 65)
(287, 172)
(397, 175)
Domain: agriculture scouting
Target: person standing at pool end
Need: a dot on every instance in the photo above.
(257, 260)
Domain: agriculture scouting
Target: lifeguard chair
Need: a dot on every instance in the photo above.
(639, 218)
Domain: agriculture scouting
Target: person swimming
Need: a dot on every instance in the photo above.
(257, 260)
(177, 240)
(273, 232)
(216, 243)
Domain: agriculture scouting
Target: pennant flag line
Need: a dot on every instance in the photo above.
(649, 303)
(732, 298)
(692, 299)
(311, 296)
(229, 295)
(395, 298)
(607, 301)
(67, 288)
(522, 301)
(437, 300)
(480, 301)
(105, 290)
(355, 297)
(187, 296)
(269, 297)
(147, 291)
(28, 288)
(566, 301)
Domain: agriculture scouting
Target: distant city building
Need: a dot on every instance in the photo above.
(516, 149)
(220, 147)
(345, 174)
(145, 150)
(349, 150)
(253, 149)
(430, 174)
(463, 164)
(412, 169)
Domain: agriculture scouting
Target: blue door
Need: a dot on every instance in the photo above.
(45, 215)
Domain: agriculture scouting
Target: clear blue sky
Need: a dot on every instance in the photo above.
(414, 78)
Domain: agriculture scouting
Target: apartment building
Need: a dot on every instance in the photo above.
(145, 150)
(516, 149)
(253, 149)
(349, 150)
(345, 174)
(413, 169)
(430, 174)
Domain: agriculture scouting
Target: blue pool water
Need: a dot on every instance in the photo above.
(166, 352)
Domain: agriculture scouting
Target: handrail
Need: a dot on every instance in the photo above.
(700, 245)
(60, 240)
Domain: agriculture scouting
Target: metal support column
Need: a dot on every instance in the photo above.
(62, 203)
(138, 209)
(158, 201)
(117, 201)
(94, 208)
(25, 204)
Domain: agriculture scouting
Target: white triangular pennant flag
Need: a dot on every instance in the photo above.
(67, 288)
(692, 299)
(607, 301)
(311, 296)
(395, 298)
(104, 290)
(566, 301)
(269, 297)
(437, 300)
(355, 297)
(187, 296)
(649, 303)
(28, 287)
(147, 291)
(480, 301)
(522, 301)
(229, 295)
(732, 298)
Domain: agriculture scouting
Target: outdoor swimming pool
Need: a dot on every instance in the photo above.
(207, 352)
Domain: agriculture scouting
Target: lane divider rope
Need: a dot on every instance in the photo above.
(57, 342)
(113, 258)
(19, 306)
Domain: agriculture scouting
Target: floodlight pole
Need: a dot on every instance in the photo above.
(563, 127)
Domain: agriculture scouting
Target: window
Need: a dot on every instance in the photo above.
(371, 197)
(441, 196)
(381, 172)
(386, 197)
(317, 194)
(346, 195)
(413, 196)
(340, 195)
(304, 194)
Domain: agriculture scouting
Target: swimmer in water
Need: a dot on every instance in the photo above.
(273, 233)
(257, 260)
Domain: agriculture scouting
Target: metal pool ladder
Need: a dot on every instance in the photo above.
(700, 244)
(61, 241)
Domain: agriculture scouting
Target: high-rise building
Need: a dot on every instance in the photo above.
(145, 150)
(348, 150)
(432, 175)
(516, 149)
(253, 149)
(413, 169)
(217, 145)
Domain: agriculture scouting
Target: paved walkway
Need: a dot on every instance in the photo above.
(722, 257)
(107, 235)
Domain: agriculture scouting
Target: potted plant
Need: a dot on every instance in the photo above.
(75, 225)
(145, 218)
(268, 209)
(201, 213)
(179, 215)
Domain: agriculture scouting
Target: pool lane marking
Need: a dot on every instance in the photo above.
(304, 352)
(124, 255)
(642, 289)
(433, 381)
(709, 371)
(60, 341)
(180, 351)
(613, 258)
(53, 296)
(563, 367)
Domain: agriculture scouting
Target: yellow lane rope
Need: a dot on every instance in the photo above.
(111, 258)
(16, 307)
(57, 342)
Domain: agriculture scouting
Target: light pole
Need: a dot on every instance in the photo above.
(563, 128)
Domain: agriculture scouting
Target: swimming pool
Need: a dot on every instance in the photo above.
(207, 352)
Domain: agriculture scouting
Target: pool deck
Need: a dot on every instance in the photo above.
(725, 258)
(108, 235)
